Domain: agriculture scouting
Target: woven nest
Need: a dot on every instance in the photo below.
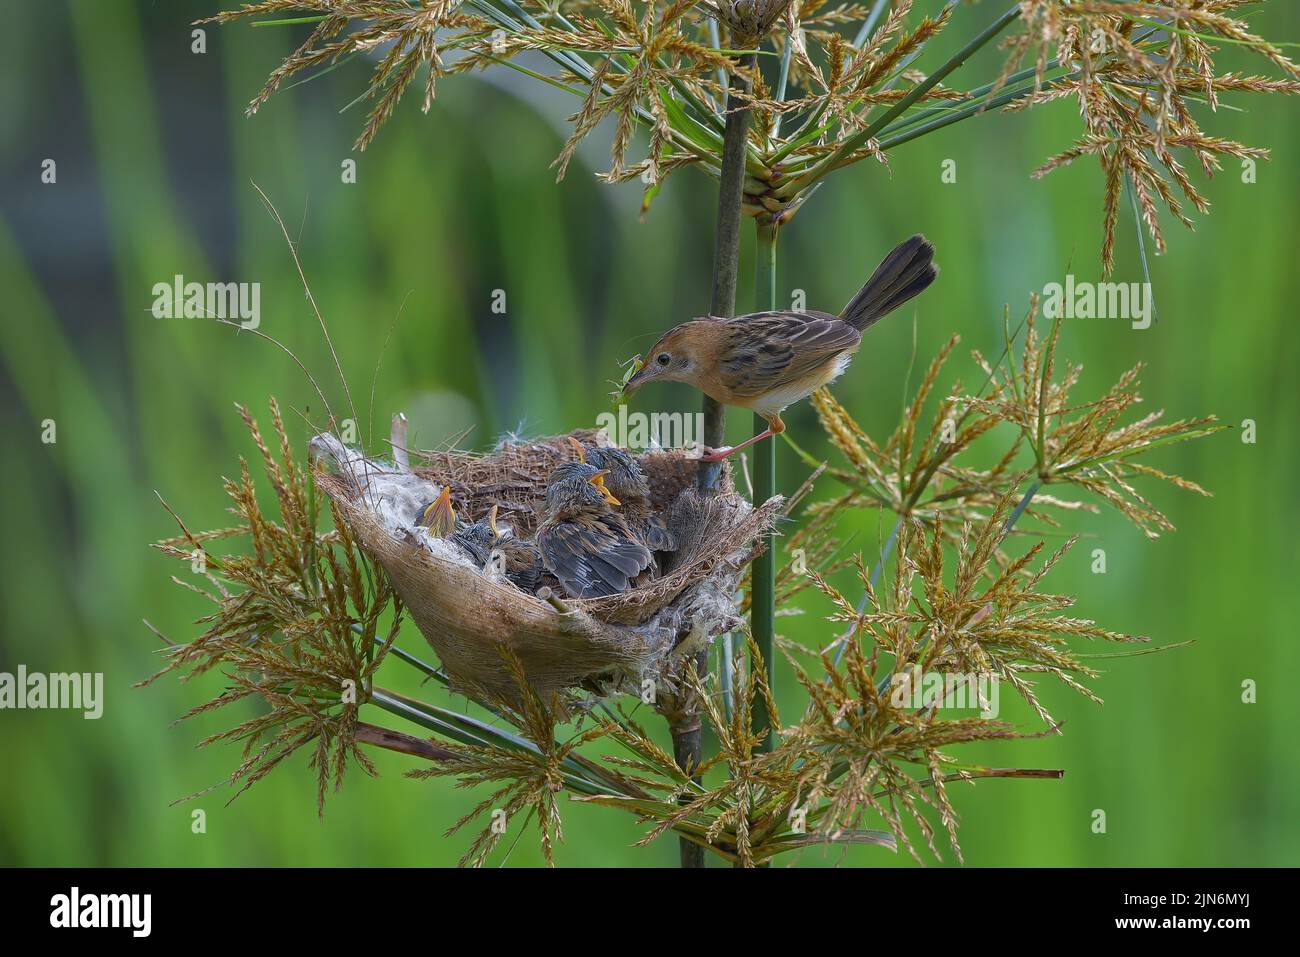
(469, 614)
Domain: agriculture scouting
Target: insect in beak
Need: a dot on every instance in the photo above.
(633, 366)
(636, 379)
(438, 516)
(598, 480)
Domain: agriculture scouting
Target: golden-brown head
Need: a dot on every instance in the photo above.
(683, 354)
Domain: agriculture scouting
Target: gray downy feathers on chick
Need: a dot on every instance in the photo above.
(584, 541)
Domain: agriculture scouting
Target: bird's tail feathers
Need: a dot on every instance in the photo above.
(905, 272)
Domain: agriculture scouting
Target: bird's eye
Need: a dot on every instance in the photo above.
(663, 358)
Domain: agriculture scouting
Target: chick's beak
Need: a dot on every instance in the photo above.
(440, 517)
(577, 448)
(598, 480)
(492, 522)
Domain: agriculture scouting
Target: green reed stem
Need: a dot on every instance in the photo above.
(1021, 506)
(726, 251)
(865, 30)
(762, 608)
(949, 116)
(576, 775)
(688, 738)
(782, 83)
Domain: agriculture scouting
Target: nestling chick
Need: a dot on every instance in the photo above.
(628, 483)
(520, 559)
(475, 539)
(767, 361)
(584, 543)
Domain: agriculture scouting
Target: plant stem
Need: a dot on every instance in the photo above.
(464, 730)
(726, 250)
(402, 743)
(1021, 506)
(782, 83)
(885, 552)
(947, 116)
(877, 9)
(977, 94)
(762, 602)
(687, 736)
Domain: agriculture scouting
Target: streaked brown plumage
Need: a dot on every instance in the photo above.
(520, 558)
(523, 562)
(628, 483)
(584, 542)
(766, 361)
(484, 542)
(474, 539)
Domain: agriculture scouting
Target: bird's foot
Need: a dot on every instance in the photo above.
(715, 455)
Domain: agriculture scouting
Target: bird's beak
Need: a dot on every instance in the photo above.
(637, 380)
(492, 522)
(439, 517)
(577, 447)
(598, 480)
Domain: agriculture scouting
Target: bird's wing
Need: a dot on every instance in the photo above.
(766, 350)
(592, 559)
(469, 542)
(657, 536)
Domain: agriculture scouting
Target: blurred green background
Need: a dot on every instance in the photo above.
(155, 165)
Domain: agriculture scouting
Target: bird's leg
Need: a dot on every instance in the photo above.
(774, 427)
(717, 455)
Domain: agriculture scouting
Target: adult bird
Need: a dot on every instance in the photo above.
(767, 361)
